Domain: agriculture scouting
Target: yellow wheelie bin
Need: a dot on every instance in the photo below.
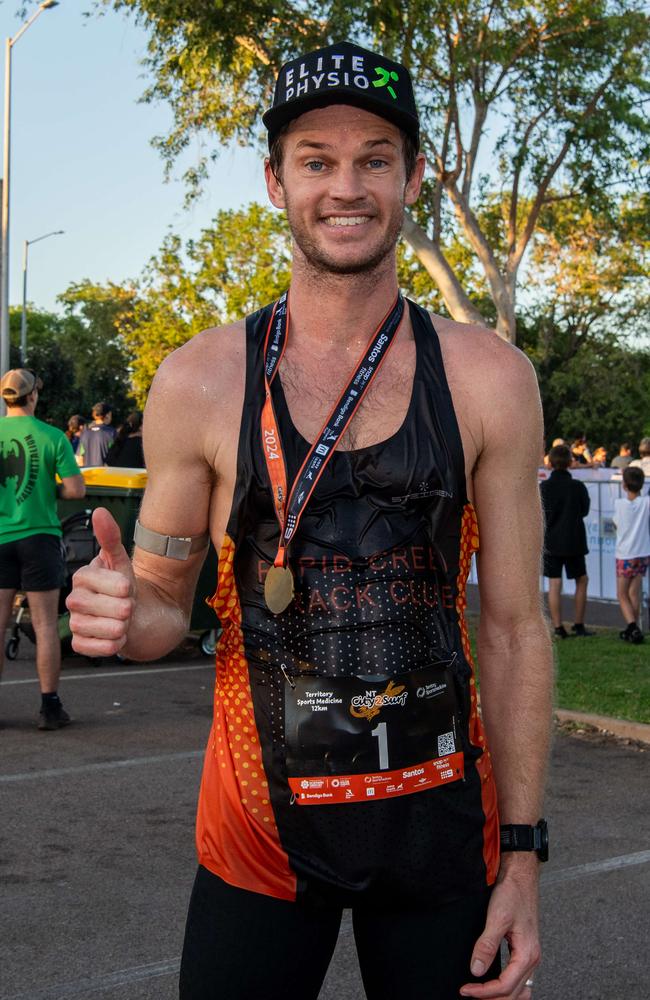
(120, 490)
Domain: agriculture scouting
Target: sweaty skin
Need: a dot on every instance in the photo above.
(344, 186)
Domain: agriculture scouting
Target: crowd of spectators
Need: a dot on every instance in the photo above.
(96, 442)
(583, 457)
(566, 503)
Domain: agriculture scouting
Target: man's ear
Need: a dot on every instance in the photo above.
(273, 186)
(414, 183)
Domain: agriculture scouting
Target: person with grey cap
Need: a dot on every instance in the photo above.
(345, 449)
(32, 454)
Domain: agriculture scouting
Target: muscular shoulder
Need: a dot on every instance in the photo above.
(492, 382)
(482, 357)
(197, 394)
(203, 368)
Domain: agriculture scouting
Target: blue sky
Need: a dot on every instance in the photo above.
(81, 156)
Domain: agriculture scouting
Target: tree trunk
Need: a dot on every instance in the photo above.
(433, 260)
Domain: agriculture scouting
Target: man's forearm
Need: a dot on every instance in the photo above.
(516, 671)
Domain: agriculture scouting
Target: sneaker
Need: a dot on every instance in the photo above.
(581, 630)
(53, 718)
(560, 632)
(635, 636)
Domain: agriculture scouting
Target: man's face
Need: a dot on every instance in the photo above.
(344, 188)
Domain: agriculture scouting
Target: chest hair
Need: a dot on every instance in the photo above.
(311, 392)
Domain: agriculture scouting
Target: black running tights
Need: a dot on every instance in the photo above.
(241, 945)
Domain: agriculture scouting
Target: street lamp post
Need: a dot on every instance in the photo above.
(4, 283)
(23, 318)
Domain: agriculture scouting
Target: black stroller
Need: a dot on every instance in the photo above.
(79, 547)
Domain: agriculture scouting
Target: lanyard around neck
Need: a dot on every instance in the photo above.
(290, 505)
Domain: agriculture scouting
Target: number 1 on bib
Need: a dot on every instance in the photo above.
(380, 732)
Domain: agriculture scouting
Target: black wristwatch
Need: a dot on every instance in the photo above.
(515, 837)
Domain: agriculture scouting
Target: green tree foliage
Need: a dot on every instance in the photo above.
(562, 85)
(602, 390)
(591, 264)
(96, 321)
(589, 317)
(81, 356)
(59, 397)
(586, 326)
(237, 264)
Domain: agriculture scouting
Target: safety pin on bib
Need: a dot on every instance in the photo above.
(283, 668)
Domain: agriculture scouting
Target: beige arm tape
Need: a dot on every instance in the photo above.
(168, 545)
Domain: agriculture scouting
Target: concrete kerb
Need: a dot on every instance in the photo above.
(623, 728)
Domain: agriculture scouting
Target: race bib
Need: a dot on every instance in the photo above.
(360, 739)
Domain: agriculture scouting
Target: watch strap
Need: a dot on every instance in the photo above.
(517, 837)
(172, 546)
(522, 837)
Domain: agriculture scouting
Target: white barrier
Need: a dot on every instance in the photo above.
(604, 486)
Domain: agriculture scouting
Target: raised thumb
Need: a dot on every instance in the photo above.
(108, 534)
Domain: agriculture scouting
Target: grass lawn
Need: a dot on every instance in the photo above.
(601, 674)
(605, 675)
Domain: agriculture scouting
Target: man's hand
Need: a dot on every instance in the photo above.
(102, 599)
(512, 915)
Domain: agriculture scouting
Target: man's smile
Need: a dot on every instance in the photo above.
(346, 220)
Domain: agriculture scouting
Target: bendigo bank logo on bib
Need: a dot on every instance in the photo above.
(370, 704)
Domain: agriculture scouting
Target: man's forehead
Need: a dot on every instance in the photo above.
(341, 121)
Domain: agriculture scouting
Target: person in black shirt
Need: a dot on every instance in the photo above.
(580, 454)
(566, 503)
(126, 450)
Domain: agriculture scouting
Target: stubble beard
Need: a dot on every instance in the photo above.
(322, 264)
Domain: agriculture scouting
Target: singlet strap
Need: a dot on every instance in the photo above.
(432, 370)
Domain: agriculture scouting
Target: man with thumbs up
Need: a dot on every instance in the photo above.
(344, 448)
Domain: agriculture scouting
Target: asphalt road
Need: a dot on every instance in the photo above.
(97, 853)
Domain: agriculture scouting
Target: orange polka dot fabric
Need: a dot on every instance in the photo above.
(236, 737)
(469, 544)
(237, 836)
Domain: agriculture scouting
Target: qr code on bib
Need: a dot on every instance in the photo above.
(446, 744)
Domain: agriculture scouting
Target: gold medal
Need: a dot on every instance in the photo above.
(278, 589)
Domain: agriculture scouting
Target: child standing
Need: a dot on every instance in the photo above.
(632, 519)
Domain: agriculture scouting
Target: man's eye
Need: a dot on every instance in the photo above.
(315, 166)
(377, 163)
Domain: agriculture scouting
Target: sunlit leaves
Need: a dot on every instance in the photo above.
(238, 263)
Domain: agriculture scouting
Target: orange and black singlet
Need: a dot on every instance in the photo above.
(346, 758)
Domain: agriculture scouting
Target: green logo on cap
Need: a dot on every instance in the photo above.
(384, 76)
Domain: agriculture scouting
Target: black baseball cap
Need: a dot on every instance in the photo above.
(344, 74)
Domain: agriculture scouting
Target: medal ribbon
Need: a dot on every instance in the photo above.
(289, 509)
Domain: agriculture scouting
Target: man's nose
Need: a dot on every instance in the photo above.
(347, 183)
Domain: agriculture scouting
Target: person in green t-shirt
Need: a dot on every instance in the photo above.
(31, 454)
